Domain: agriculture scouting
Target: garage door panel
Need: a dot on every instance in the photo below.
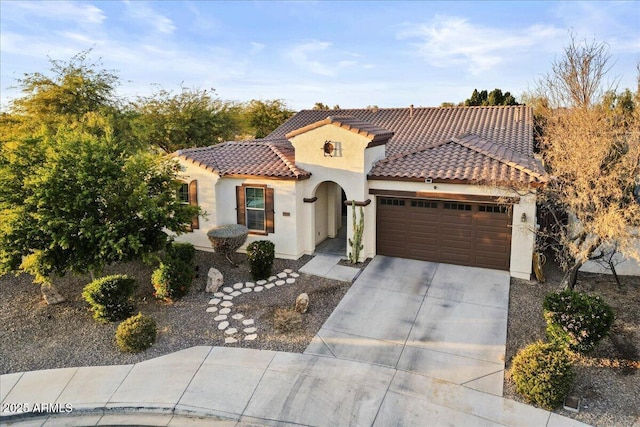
(464, 233)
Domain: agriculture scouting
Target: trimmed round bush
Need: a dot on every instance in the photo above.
(577, 320)
(261, 254)
(185, 252)
(110, 297)
(172, 279)
(543, 374)
(136, 334)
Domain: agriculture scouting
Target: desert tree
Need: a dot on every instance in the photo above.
(75, 193)
(590, 144)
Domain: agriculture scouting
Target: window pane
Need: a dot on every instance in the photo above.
(183, 193)
(255, 198)
(255, 220)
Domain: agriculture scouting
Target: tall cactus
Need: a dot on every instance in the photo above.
(358, 230)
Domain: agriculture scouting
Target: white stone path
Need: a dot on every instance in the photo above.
(235, 326)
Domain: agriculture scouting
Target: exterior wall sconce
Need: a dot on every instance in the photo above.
(328, 148)
(523, 218)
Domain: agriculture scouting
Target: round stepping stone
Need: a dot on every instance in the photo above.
(249, 285)
(250, 330)
(269, 285)
(238, 316)
(246, 290)
(225, 311)
(294, 275)
(226, 304)
(251, 337)
(227, 297)
(291, 281)
(223, 325)
(230, 331)
(282, 275)
(236, 293)
(261, 282)
(220, 317)
(214, 301)
(238, 286)
(227, 289)
(218, 294)
(247, 322)
(288, 270)
(212, 309)
(230, 340)
(258, 289)
(272, 278)
(280, 282)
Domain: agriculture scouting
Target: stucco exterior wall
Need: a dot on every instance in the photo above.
(624, 266)
(523, 233)
(217, 197)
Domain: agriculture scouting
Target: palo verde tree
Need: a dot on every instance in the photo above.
(75, 194)
(591, 148)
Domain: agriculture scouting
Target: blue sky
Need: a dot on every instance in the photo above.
(390, 54)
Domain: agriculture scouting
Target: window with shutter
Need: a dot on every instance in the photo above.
(254, 204)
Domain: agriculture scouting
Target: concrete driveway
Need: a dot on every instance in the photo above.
(443, 321)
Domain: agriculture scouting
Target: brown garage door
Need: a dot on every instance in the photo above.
(461, 233)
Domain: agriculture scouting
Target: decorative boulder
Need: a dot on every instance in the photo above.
(214, 280)
(302, 303)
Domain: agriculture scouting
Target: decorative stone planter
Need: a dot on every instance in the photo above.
(226, 239)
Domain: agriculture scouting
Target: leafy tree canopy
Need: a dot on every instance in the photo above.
(190, 118)
(263, 117)
(75, 193)
(495, 97)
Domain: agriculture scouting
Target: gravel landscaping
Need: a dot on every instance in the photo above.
(38, 336)
(608, 379)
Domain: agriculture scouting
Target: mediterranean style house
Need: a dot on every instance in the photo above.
(451, 184)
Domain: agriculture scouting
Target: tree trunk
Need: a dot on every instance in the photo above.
(612, 266)
(569, 280)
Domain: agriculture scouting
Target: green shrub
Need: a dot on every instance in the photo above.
(577, 320)
(172, 279)
(182, 251)
(286, 320)
(136, 334)
(110, 297)
(261, 254)
(543, 374)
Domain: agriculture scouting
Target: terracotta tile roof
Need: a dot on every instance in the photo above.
(418, 127)
(468, 158)
(274, 159)
(375, 133)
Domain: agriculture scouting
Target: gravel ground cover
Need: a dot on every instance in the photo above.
(36, 336)
(608, 379)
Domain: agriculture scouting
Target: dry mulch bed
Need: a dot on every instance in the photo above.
(38, 336)
(608, 379)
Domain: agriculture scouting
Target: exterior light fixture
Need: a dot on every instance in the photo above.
(523, 218)
(328, 148)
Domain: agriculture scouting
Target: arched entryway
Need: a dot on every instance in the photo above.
(330, 233)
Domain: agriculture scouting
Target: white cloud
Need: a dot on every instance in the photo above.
(139, 11)
(256, 48)
(454, 41)
(82, 13)
(316, 57)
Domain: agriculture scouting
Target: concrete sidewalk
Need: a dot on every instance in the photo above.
(242, 387)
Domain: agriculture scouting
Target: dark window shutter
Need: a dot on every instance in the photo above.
(269, 210)
(240, 204)
(193, 201)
